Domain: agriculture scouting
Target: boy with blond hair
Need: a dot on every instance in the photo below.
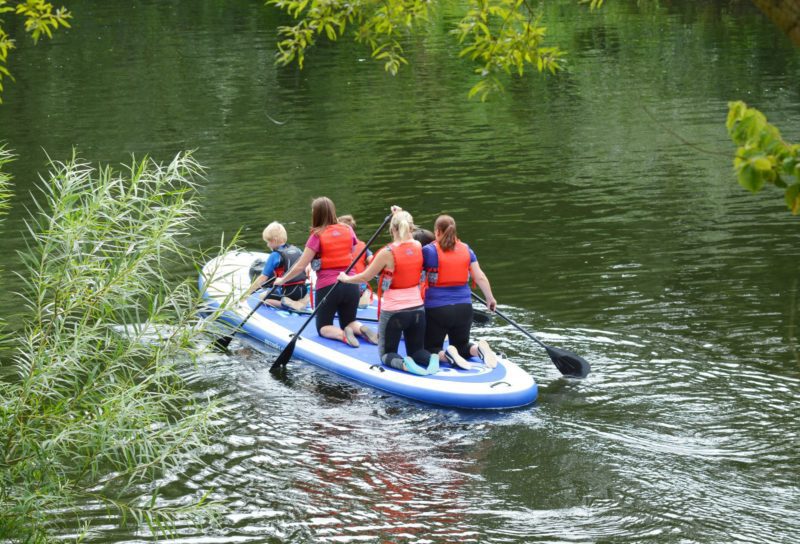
(294, 293)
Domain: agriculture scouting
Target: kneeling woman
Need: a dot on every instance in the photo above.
(332, 243)
(401, 309)
(449, 264)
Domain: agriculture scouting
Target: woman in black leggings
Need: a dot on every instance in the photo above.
(332, 243)
(401, 310)
(448, 264)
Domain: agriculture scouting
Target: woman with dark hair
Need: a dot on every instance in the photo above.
(332, 244)
(449, 263)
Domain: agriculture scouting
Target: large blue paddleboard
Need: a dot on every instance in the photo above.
(225, 278)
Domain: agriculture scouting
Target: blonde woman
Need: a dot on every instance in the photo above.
(401, 309)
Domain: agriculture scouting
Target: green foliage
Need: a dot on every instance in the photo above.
(763, 156)
(5, 180)
(40, 20)
(6, 44)
(99, 405)
(503, 37)
(5, 187)
(379, 24)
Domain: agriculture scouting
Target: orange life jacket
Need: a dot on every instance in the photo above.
(335, 246)
(407, 268)
(453, 269)
(361, 264)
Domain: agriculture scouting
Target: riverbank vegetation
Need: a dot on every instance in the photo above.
(96, 406)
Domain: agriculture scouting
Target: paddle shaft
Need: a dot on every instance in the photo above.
(511, 322)
(226, 340)
(257, 306)
(286, 354)
(566, 362)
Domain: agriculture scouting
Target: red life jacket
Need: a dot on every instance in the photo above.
(335, 246)
(289, 255)
(407, 268)
(361, 264)
(453, 269)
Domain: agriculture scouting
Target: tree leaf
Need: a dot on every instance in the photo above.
(761, 163)
(792, 197)
(750, 179)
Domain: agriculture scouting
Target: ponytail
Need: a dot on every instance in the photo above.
(402, 224)
(445, 228)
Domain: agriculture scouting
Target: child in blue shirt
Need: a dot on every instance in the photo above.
(293, 294)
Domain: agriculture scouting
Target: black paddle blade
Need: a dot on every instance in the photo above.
(481, 317)
(568, 363)
(284, 356)
(222, 343)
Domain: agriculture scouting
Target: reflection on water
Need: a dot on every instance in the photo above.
(655, 444)
(601, 231)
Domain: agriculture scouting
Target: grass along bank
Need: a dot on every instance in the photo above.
(91, 412)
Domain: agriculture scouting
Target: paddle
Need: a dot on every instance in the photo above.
(286, 354)
(223, 343)
(481, 317)
(566, 362)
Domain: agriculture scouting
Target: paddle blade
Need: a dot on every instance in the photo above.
(222, 343)
(284, 356)
(481, 317)
(568, 363)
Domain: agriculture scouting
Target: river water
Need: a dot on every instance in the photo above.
(601, 203)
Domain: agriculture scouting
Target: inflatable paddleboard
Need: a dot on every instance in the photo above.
(227, 277)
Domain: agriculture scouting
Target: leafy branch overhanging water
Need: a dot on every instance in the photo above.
(763, 156)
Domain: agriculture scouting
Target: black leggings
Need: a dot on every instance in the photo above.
(453, 321)
(344, 300)
(410, 324)
(294, 292)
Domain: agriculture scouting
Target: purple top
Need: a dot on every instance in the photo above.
(327, 276)
(444, 296)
